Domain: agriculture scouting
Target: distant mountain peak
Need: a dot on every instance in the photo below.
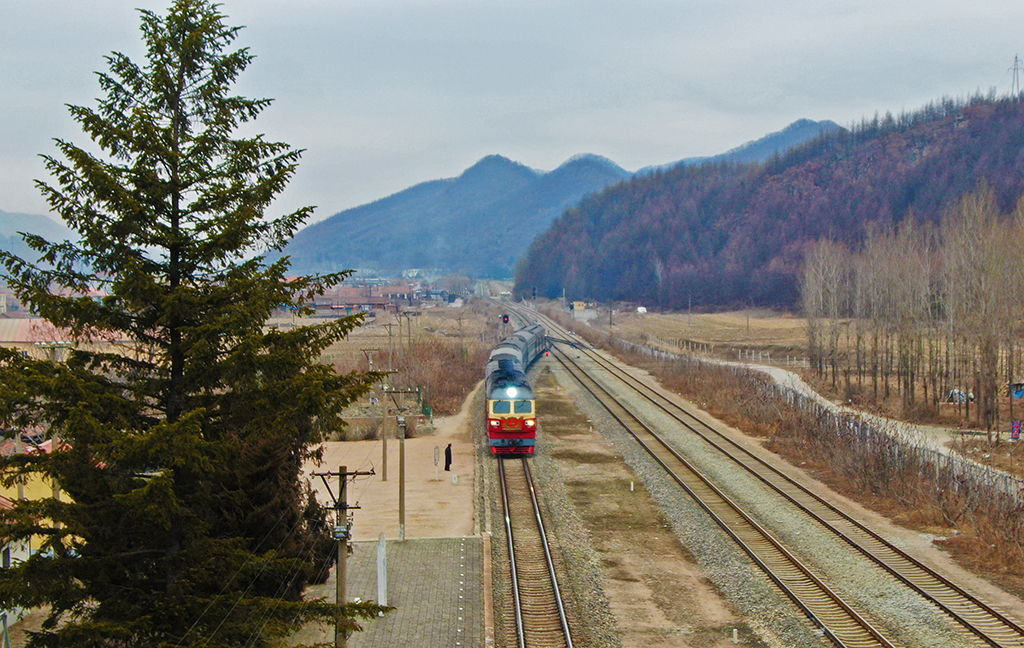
(495, 164)
(804, 123)
(479, 222)
(759, 150)
(590, 158)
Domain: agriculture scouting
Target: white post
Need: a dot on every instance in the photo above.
(382, 570)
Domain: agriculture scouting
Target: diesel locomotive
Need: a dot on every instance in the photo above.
(511, 406)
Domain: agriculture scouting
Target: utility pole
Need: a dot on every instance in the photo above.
(373, 401)
(342, 534)
(1018, 65)
(391, 343)
(401, 478)
(18, 450)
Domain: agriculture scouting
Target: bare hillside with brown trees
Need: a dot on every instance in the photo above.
(721, 235)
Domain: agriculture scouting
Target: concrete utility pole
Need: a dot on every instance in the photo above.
(18, 450)
(342, 534)
(401, 478)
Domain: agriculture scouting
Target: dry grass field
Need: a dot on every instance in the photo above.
(434, 352)
(389, 331)
(718, 334)
(766, 337)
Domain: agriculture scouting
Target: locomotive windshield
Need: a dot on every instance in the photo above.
(508, 407)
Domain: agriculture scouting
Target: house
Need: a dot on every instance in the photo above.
(12, 553)
(345, 300)
(404, 292)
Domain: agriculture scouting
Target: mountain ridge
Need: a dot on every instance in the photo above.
(478, 222)
(761, 149)
(721, 236)
(11, 223)
(481, 221)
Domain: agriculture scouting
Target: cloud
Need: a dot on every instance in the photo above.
(387, 93)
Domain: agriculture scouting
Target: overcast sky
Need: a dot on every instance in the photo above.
(385, 94)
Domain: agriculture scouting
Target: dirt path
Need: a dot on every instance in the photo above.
(933, 437)
(437, 503)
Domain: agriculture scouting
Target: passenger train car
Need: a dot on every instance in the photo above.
(511, 406)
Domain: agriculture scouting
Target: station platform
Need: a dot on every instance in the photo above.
(439, 576)
(436, 586)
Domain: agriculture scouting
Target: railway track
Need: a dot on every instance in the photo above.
(989, 626)
(836, 619)
(981, 619)
(539, 612)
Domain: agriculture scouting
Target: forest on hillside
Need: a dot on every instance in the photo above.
(722, 235)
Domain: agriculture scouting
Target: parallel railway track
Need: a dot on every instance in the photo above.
(985, 622)
(837, 619)
(537, 601)
(989, 626)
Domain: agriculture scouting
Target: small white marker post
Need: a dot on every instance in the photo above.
(382, 570)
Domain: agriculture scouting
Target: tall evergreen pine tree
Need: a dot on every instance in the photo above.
(180, 433)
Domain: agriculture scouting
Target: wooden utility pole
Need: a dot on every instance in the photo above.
(391, 343)
(342, 534)
(408, 329)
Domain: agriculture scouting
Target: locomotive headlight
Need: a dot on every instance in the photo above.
(512, 392)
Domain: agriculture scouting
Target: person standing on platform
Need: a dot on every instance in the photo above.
(448, 457)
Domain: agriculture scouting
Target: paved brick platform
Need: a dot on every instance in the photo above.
(436, 584)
